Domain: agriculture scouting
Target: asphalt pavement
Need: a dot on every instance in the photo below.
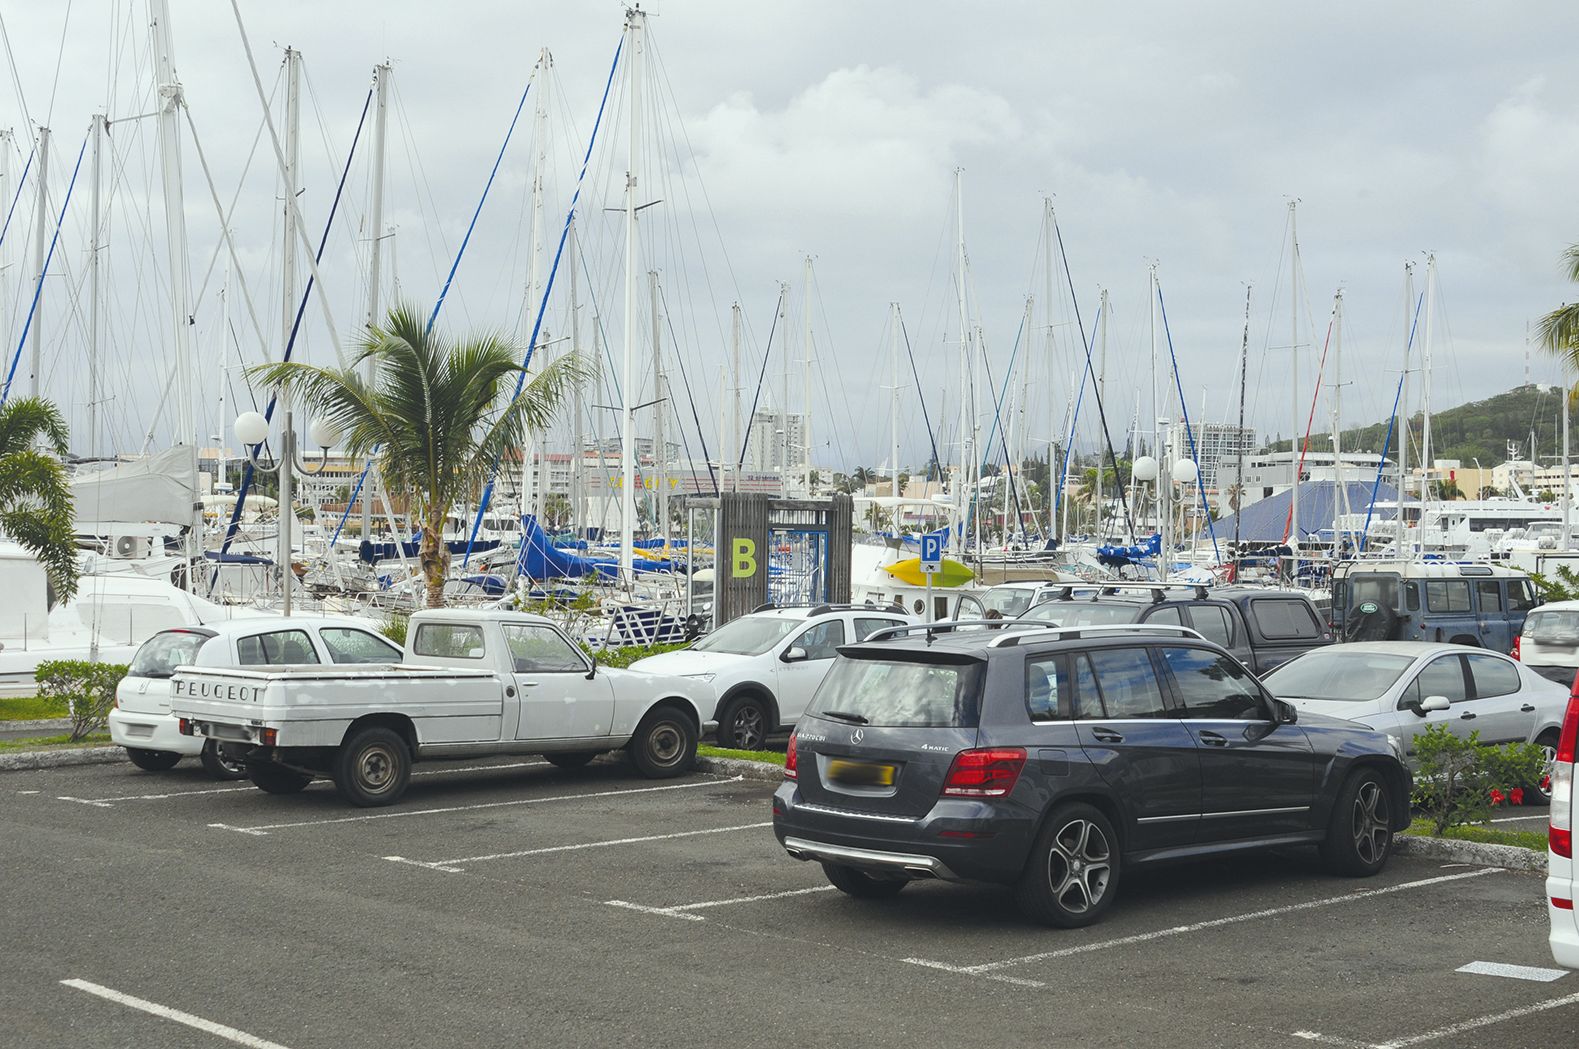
(509, 903)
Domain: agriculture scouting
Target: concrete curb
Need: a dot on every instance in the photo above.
(60, 757)
(44, 725)
(765, 771)
(1478, 853)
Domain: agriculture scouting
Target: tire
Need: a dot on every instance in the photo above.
(572, 759)
(373, 767)
(276, 779)
(1360, 835)
(744, 723)
(1542, 787)
(861, 885)
(153, 760)
(220, 767)
(1073, 872)
(664, 745)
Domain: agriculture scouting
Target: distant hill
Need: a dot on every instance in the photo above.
(1478, 430)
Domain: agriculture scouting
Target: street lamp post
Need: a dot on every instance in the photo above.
(1183, 471)
(252, 429)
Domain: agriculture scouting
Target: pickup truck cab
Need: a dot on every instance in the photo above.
(470, 683)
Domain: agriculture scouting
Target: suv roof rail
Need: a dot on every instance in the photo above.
(819, 607)
(1075, 632)
(1157, 589)
(948, 626)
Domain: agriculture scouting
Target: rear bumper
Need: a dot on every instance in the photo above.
(959, 840)
(151, 732)
(1564, 937)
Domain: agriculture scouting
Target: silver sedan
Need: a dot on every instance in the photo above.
(1404, 687)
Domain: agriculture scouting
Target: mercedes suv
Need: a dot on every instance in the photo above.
(1055, 759)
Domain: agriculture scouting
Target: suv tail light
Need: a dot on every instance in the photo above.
(987, 772)
(1560, 836)
(1516, 639)
(789, 759)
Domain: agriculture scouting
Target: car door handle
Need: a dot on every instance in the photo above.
(1107, 735)
(1467, 716)
(534, 684)
(1212, 739)
(1528, 708)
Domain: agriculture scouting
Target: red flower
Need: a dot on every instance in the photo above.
(1497, 797)
(1516, 796)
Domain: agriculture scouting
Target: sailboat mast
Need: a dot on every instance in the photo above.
(95, 249)
(1156, 448)
(893, 404)
(1053, 481)
(735, 429)
(660, 407)
(1425, 430)
(783, 443)
(1340, 493)
(957, 536)
(1239, 437)
(1402, 424)
(805, 407)
(286, 511)
(375, 257)
(634, 20)
(533, 479)
(171, 100)
(1293, 381)
(1101, 395)
(40, 241)
(578, 408)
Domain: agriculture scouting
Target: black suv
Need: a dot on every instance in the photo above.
(1262, 627)
(1053, 759)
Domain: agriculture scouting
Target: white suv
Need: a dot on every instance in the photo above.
(765, 667)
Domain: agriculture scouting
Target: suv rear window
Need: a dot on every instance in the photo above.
(893, 693)
(162, 653)
(1281, 619)
(1559, 627)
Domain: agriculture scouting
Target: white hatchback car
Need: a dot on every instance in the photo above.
(765, 667)
(141, 720)
(1404, 687)
(1549, 641)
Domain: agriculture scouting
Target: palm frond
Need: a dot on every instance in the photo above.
(28, 420)
(1558, 333)
(51, 537)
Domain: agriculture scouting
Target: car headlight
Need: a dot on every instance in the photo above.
(700, 677)
(1396, 746)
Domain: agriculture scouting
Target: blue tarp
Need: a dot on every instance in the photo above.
(1264, 521)
(373, 553)
(541, 559)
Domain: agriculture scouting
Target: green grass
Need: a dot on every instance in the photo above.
(62, 740)
(31, 708)
(774, 757)
(1524, 839)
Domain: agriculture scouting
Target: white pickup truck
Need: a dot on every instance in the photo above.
(470, 683)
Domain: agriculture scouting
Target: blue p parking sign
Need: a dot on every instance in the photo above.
(931, 553)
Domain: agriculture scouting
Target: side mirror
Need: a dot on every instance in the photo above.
(1287, 714)
(592, 671)
(1434, 703)
(795, 654)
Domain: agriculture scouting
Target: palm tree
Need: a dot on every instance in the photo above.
(1558, 331)
(434, 416)
(35, 499)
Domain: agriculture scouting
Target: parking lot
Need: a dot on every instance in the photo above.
(510, 903)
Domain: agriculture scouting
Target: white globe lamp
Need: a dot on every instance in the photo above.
(1185, 472)
(1143, 469)
(323, 433)
(251, 428)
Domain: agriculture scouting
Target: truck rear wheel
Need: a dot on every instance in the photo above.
(664, 744)
(373, 767)
(276, 779)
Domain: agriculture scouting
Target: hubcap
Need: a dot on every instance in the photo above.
(376, 769)
(1079, 866)
(665, 743)
(1548, 762)
(748, 728)
(1372, 829)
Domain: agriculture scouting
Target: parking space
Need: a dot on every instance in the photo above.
(512, 901)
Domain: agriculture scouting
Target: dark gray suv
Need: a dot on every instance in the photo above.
(1053, 759)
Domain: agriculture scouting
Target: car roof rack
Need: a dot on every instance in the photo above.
(820, 607)
(949, 626)
(1065, 633)
(1157, 589)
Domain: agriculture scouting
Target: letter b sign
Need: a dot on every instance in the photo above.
(745, 558)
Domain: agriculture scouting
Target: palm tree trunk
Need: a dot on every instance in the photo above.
(434, 558)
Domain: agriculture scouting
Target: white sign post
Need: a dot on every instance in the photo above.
(931, 563)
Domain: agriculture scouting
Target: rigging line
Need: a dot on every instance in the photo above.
(17, 195)
(1195, 455)
(246, 169)
(38, 287)
(925, 417)
(290, 344)
(696, 418)
(1290, 525)
(756, 396)
(16, 81)
(1068, 448)
(548, 286)
(1387, 445)
(998, 431)
(1107, 438)
(54, 87)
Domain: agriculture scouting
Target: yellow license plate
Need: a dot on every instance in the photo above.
(860, 773)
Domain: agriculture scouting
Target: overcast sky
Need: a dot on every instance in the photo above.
(1164, 132)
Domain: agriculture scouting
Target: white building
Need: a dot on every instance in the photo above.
(1269, 473)
(1218, 446)
(776, 442)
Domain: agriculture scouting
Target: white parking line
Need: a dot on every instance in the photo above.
(453, 866)
(1513, 972)
(263, 829)
(1519, 819)
(684, 910)
(1180, 930)
(164, 1012)
(1442, 1032)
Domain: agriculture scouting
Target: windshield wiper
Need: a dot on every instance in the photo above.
(854, 719)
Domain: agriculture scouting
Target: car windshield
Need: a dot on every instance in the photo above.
(1339, 675)
(1553, 627)
(748, 635)
(1081, 613)
(162, 653)
(1008, 600)
(900, 693)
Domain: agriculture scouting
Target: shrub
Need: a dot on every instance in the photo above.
(394, 628)
(87, 689)
(1452, 785)
(625, 655)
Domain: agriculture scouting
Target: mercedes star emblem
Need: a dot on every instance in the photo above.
(857, 736)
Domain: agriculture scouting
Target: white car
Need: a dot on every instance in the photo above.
(1564, 936)
(141, 720)
(1549, 641)
(1404, 687)
(765, 667)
